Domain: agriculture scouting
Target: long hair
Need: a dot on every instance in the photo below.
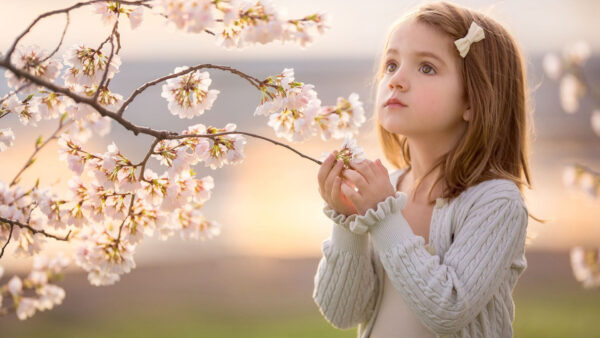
(496, 140)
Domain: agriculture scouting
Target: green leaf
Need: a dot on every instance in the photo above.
(38, 142)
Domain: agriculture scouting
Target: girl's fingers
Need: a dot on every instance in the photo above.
(335, 172)
(356, 178)
(351, 194)
(335, 189)
(364, 168)
(325, 169)
(381, 167)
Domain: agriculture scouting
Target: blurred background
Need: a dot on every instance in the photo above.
(256, 278)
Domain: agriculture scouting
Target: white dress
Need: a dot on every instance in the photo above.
(395, 318)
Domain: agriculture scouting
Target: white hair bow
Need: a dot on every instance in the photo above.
(464, 44)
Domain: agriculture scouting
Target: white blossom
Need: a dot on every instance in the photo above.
(51, 106)
(552, 66)
(577, 52)
(586, 266)
(50, 295)
(7, 137)
(351, 116)
(589, 184)
(28, 59)
(571, 90)
(135, 17)
(188, 95)
(195, 226)
(225, 149)
(350, 151)
(87, 67)
(15, 286)
(26, 308)
(569, 176)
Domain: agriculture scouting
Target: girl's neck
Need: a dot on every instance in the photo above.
(408, 180)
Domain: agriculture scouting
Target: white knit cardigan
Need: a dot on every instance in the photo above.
(459, 286)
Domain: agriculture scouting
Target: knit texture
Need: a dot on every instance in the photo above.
(463, 290)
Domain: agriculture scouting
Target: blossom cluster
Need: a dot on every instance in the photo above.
(115, 208)
(575, 176)
(243, 22)
(565, 69)
(349, 151)
(585, 263)
(35, 292)
(296, 114)
(34, 61)
(213, 151)
(111, 10)
(188, 95)
(114, 203)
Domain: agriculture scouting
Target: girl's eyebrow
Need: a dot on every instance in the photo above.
(420, 53)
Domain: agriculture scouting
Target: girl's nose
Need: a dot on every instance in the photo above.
(399, 81)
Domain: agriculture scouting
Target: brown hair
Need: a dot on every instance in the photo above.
(496, 141)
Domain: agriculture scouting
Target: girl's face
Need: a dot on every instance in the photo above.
(421, 77)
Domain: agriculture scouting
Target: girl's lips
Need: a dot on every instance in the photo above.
(394, 103)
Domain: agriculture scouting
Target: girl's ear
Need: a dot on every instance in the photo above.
(467, 114)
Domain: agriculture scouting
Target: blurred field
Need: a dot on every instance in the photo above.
(264, 297)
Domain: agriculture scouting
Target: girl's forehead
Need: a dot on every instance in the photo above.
(412, 35)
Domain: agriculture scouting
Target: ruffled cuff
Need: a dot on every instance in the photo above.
(338, 218)
(391, 205)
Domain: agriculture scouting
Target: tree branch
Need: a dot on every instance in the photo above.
(34, 231)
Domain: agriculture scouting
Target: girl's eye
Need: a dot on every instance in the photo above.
(390, 67)
(427, 69)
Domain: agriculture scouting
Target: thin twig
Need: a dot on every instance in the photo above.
(253, 81)
(25, 85)
(112, 51)
(125, 219)
(61, 40)
(7, 241)
(143, 163)
(61, 125)
(248, 134)
(28, 227)
(588, 169)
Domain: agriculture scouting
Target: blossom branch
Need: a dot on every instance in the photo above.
(64, 10)
(112, 50)
(159, 134)
(253, 81)
(35, 231)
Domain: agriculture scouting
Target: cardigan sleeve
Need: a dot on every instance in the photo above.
(345, 285)
(447, 295)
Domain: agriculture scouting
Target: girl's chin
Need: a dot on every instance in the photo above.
(393, 126)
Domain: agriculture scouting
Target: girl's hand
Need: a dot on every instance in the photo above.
(373, 183)
(329, 186)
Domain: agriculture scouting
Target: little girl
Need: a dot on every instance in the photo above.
(451, 112)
